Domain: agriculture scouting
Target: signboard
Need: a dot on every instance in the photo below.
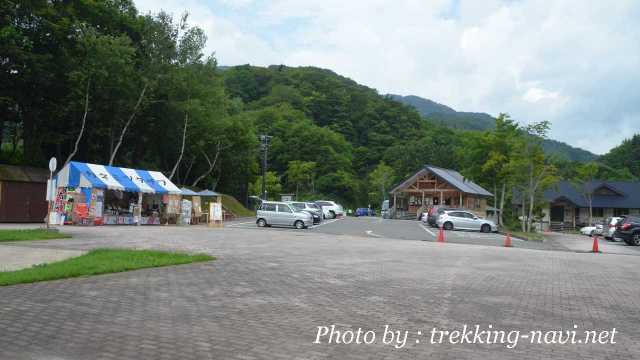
(215, 209)
(53, 164)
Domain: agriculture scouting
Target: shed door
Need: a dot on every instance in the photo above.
(557, 213)
(23, 202)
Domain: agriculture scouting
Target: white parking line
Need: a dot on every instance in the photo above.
(370, 233)
(427, 230)
(325, 223)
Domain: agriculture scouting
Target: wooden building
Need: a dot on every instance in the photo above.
(437, 186)
(23, 194)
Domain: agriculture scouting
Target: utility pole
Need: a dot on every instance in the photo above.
(264, 147)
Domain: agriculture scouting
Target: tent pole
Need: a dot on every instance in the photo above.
(139, 209)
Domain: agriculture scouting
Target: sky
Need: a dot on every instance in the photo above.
(575, 63)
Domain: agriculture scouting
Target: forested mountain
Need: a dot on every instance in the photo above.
(625, 155)
(447, 116)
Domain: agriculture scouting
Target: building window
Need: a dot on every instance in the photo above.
(597, 212)
(476, 203)
(620, 212)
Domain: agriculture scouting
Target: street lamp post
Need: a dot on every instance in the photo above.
(264, 146)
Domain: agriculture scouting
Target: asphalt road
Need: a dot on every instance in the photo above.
(376, 227)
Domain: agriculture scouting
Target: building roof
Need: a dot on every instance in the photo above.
(450, 176)
(623, 194)
(208, 193)
(23, 173)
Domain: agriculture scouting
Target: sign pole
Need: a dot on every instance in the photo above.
(53, 164)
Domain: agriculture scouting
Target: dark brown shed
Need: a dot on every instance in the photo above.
(23, 194)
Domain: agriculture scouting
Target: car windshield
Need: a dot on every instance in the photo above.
(313, 206)
(323, 203)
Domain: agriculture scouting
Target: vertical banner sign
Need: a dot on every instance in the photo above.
(215, 209)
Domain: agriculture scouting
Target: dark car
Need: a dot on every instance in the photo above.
(628, 229)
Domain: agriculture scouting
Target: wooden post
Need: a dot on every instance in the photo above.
(395, 205)
(461, 206)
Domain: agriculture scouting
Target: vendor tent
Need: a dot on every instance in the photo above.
(188, 192)
(208, 193)
(84, 175)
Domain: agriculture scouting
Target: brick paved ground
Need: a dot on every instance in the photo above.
(268, 291)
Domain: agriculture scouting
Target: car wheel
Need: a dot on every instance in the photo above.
(592, 233)
(299, 224)
(448, 226)
(262, 223)
(635, 240)
(332, 214)
(486, 228)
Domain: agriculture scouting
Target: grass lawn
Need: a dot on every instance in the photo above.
(101, 261)
(31, 234)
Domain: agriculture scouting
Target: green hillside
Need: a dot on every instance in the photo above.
(448, 117)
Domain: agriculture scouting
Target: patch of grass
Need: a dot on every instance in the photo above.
(100, 261)
(233, 205)
(31, 234)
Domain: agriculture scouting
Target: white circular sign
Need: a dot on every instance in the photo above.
(53, 164)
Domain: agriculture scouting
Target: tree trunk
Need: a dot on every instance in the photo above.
(84, 122)
(186, 174)
(502, 195)
(184, 137)
(530, 215)
(127, 124)
(211, 164)
(524, 206)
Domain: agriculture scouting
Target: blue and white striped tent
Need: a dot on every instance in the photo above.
(84, 175)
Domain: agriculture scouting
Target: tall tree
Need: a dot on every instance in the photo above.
(584, 181)
(300, 172)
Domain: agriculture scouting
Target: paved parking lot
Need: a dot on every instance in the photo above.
(375, 227)
(269, 290)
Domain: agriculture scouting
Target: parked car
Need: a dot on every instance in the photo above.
(464, 220)
(283, 214)
(311, 208)
(592, 230)
(628, 229)
(609, 227)
(434, 211)
(330, 209)
(364, 212)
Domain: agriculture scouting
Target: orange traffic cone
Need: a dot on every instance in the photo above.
(595, 244)
(441, 235)
(507, 240)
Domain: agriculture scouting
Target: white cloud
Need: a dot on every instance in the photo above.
(572, 62)
(535, 95)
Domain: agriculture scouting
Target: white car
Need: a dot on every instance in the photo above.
(591, 230)
(464, 220)
(330, 209)
(610, 227)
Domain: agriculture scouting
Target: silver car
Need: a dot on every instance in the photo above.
(464, 220)
(282, 214)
